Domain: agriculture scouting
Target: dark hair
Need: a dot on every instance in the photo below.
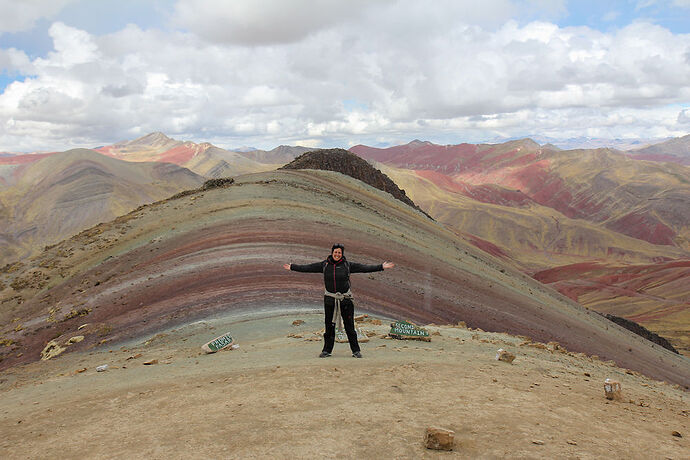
(336, 246)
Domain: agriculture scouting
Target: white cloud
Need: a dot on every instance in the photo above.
(262, 21)
(313, 143)
(72, 46)
(266, 96)
(684, 117)
(15, 61)
(456, 70)
(18, 15)
(641, 4)
(265, 22)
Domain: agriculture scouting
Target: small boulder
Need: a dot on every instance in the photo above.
(51, 350)
(75, 339)
(502, 355)
(439, 439)
(555, 346)
(297, 322)
(612, 389)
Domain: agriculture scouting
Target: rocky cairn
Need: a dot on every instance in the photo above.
(439, 438)
(348, 163)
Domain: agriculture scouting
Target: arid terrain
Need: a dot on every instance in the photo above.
(143, 292)
(273, 397)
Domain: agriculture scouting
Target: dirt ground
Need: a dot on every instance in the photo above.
(273, 397)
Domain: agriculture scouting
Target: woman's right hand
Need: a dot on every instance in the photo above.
(286, 266)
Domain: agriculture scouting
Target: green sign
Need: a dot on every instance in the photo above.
(220, 342)
(407, 330)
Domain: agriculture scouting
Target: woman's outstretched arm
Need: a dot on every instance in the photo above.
(364, 268)
(316, 267)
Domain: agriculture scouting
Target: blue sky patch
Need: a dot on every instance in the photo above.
(6, 80)
(352, 105)
(606, 15)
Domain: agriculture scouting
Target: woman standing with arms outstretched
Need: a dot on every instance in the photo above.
(337, 299)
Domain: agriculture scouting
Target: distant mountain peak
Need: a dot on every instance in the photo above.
(676, 150)
(244, 149)
(280, 155)
(153, 139)
(524, 142)
(417, 142)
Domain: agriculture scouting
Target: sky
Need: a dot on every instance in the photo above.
(333, 73)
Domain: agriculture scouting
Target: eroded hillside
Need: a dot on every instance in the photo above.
(55, 197)
(222, 250)
(548, 209)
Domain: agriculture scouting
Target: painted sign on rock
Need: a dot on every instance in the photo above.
(219, 343)
(409, 331)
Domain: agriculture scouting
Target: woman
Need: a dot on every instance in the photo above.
(337, 300)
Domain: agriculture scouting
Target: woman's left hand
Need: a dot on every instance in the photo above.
(388, 265)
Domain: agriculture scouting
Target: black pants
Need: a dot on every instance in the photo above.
(347, 309)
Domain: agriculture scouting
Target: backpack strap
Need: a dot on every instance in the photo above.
(347, 264)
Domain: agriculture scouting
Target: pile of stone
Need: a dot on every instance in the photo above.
(439, 438)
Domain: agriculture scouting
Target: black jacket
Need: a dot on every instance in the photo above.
(336, 275)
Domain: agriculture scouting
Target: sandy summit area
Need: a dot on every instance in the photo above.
(273, 397)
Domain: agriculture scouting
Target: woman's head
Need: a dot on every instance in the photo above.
(337, 251)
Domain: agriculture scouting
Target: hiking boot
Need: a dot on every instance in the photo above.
(324, 354)
(356, 354)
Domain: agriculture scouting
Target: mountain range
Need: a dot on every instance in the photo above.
(101, 323)
(47, 197)
(675, 150)
(586, 214)
(61, 194)
(604, 228)
(643, 200)
(584, 142)
(205, 159)
(221, 249)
